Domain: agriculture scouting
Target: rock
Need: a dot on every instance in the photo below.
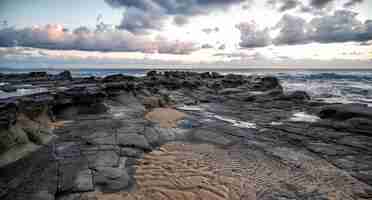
(81, 95)
(228, 91)
(42, 195)
(111, 179)
(131, 152)
(152, 136)
(8, 88)
(118, 78)
(297, 96)
(215, 75)
(70, 181)
(63, 76)
(8, 113)
(151, 73)
(210, 137)
(361, 125)
(265, 83)
(345, 111)
(103, 159)
(133, 140)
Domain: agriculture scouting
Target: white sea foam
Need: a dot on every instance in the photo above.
(276, 123)
(22, 92)
(237, 123)
(190, 108)
(304, 117)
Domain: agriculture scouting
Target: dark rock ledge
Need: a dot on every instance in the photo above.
(85, 134)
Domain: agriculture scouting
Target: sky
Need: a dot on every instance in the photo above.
(205, 33)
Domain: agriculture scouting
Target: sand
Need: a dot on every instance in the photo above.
(166, 117)
(181, 171)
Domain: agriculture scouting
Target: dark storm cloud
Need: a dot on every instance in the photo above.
(320, 3)
(140, 16)
(251, 36)
(289, 4)
(352, 3)
(82, 38)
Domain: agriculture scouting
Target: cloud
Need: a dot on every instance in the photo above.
(222, 47)
(292, 30)
(180, 20)
(15, 52)
(251, 36)
(319, 3)
(289, 4)
(56, 37)
(141, 16)
(341, 26)
(210, 30)
(283, 5)
(352, 3)
(231, 55)
(139, 21)
(248, 4)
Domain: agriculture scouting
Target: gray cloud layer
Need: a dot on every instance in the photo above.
(141, 16)
(112, 40)
(251, 36)
(341, 26)
(352, 3)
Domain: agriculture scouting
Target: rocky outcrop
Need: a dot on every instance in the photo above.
(343, 112)
(180, 135)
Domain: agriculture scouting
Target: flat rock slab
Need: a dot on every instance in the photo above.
(133, 140)
(103, 159)
(131, 152)
(111, 179)
(75, 182)
(210, 137)
(346, 111)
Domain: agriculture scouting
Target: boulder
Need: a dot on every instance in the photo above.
(361, 125)
(297, 96)
(345, 111)
(151, 73)
(8, 88)
(110, 179)
(133, 140)
(265, 83)
(118, 78)
(228, 91)
(63, 76)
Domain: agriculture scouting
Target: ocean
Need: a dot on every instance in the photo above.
(330, 85)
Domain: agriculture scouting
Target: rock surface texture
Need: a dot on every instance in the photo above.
(179, 136)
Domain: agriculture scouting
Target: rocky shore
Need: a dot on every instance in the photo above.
(178, 135)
